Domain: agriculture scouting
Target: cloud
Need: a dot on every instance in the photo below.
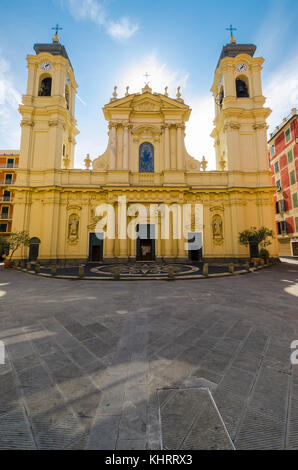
(122, 29)
(9, 116)
(198, 141)
(93, 10)
(160, 76)
(200, 125)
(281, 90)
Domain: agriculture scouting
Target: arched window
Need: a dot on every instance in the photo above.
(242, 88)
(45, 88)
(67, 96)
(146, 158)
(221, 97)
(6, 196)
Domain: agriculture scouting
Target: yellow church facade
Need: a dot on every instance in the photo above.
(145, 165)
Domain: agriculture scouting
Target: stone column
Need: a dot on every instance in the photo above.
(112, 165)
(168, 244)
(167, 147)
(179, 147)
(173, 147)
(119, 147)
(125, 147)
(109, 245)
(31, 85)
(122, 229)
(181, 242)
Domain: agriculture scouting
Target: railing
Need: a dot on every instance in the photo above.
(9, 165)
(5, 216)
(6, 199)
(8, 183)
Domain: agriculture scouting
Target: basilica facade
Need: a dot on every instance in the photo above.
(67, 211)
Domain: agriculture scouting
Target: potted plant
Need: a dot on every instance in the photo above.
(15, 241)
(257, 238)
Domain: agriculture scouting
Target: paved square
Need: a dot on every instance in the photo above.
(86, 360)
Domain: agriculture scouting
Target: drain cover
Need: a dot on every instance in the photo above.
(190, 420)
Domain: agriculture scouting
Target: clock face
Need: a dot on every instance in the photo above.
(241, 68)
(46, 66)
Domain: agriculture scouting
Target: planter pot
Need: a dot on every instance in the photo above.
(7, 263)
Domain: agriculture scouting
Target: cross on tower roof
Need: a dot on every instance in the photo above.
(146, 76)
(231, 29)
(56, 29)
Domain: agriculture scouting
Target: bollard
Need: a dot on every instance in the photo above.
(81, 272)
(28, 266)
(37, 268)
(116, 274)
(53, 270)
(231, 268)
(205, 270)
(247, 266)
(171, 274)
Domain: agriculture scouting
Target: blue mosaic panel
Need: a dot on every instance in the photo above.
(146, 158)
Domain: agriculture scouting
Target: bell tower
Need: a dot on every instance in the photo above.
(47, 110)
(240, 132)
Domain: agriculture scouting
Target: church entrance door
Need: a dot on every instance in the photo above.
(146, 250)
(95, 247)
(96, 253)
(146, 243)
(195, 246)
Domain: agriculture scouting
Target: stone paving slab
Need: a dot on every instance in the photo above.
(85, 361)
(200, 425)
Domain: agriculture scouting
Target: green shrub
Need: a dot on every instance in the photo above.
(264, 254)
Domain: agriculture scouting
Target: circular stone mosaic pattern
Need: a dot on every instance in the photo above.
(145, 269)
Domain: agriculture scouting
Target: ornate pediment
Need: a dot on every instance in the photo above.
(146, 132)
(147, 106)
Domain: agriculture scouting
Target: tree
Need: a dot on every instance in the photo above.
(16, 240)
(256, 236)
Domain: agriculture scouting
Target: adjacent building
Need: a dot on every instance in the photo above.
(283, 154)
(9, 161)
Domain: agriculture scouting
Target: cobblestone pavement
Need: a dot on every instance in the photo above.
(85, 360)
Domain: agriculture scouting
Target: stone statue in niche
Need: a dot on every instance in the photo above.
(73, 229)
(217, 228)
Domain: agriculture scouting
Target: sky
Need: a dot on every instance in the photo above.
(115, 42)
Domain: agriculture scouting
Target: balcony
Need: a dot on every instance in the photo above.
(9, 165)
(5, 216)
(6, 199)
(7, 183)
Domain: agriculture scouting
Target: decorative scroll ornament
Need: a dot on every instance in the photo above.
(101, 163)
